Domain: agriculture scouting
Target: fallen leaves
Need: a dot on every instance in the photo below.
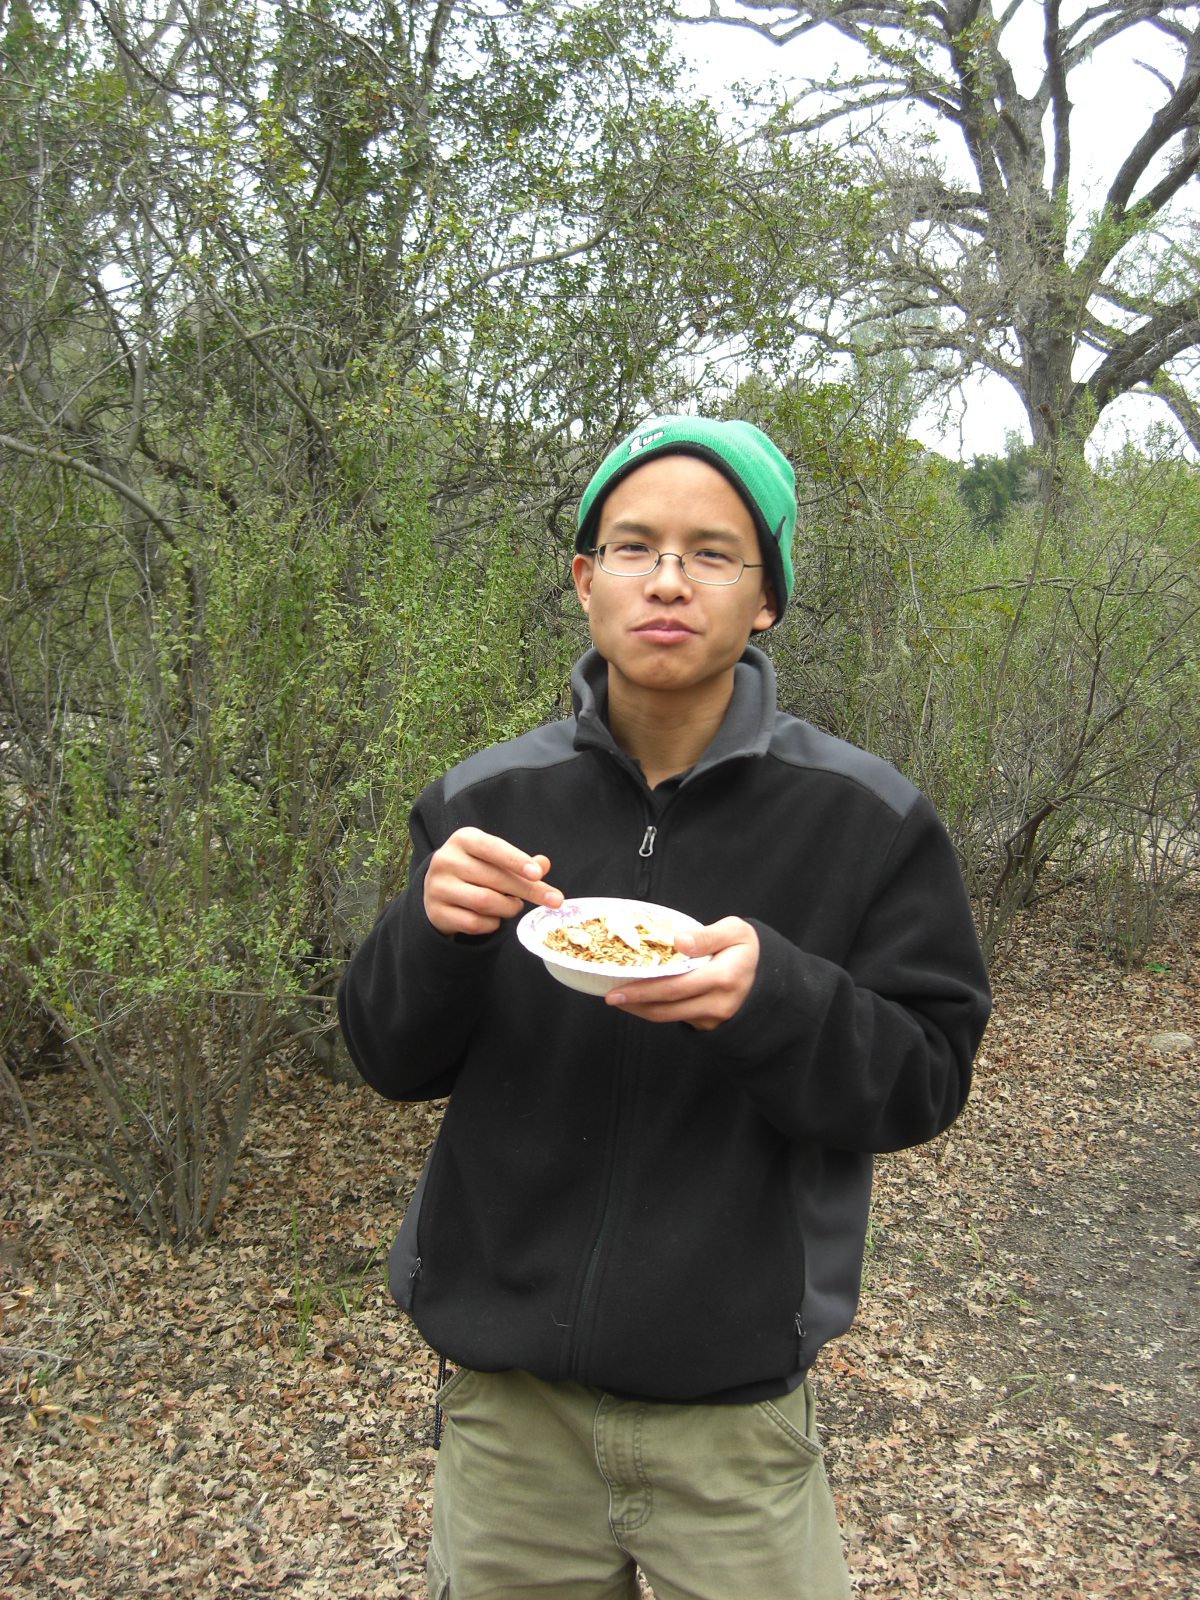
(1024, 1260)
(1015, 1410)
(196, 1450)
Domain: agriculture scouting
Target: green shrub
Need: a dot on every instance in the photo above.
(992, 484)
(1041, 689)
(217, 789)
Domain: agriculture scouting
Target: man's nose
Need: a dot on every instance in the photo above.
(667, 581)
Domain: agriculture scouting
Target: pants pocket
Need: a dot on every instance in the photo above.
(456, 1390)
(794, 1416)
(437, 1579)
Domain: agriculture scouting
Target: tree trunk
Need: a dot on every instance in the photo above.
(1047, 360)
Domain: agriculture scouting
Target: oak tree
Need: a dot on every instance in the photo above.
(999, 272)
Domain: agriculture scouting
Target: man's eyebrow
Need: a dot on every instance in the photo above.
(628, 525)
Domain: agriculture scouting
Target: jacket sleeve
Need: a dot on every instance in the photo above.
(410, 998)
(876, 1055)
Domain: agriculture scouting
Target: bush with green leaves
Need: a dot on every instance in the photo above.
(314, 320)
(215, 808)
(992, 484)
(1040, 686)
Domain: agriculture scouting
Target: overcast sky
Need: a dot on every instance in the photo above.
(1113, 100)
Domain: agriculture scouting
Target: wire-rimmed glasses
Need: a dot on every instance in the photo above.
(628, 558)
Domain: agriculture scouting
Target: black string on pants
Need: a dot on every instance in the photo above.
(437, 1410)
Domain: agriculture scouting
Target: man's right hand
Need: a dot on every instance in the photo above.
(476, 880)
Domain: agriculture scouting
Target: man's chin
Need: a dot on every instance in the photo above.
(673, 668)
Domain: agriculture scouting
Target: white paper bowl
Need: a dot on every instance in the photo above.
(598, 977)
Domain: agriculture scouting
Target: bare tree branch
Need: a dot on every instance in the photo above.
(998, 277)
(1181, 403)
(1166, 123)
(58, 458)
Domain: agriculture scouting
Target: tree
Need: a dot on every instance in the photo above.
(313, 321)
(991, 484)
(1040, 688)
(511, 207)
(998, 274)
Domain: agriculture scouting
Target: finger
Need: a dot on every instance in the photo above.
(518, 890)
(720, 972)
(715, 990)
(460, 921)
(502, 866)
(455, 864)
(544, 894)
(717, 936)
(698, 1013)
(478, 900)
(549, 895)
(463, 868)
(499, 853)
(661, 991)
(452, 920)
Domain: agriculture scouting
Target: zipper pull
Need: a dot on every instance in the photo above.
(647, 849)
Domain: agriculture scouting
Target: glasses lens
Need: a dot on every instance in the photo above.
(712, 566)
(628, 558)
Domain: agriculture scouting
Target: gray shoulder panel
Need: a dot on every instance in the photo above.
(544, 747)
(801, 745)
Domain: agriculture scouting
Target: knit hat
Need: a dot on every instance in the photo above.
(759, 472)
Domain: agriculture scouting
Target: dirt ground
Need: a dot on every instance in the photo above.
(1016, 1410)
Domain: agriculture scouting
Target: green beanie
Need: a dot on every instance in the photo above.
(759, 472)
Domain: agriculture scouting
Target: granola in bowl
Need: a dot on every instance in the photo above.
(596, 940)
(593, 944)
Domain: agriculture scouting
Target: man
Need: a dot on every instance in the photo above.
(643, 1216)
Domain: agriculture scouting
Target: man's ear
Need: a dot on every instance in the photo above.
(767, 612)
(582, 570)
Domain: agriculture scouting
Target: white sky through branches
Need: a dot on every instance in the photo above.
(1113, 99)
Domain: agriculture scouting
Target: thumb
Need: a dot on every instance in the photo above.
(717, 936)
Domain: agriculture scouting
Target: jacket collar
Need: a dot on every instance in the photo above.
(745, 731)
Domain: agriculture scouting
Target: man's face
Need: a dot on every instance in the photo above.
(664, 630)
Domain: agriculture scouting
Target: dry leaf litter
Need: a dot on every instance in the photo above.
(1015, 1412)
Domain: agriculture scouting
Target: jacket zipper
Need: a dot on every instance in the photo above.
(650, 837)
(645, 858)
(583, 1316)
(581, 1331)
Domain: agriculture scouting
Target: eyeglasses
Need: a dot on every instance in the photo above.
(628, 559)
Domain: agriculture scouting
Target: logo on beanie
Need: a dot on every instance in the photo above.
(643, 440)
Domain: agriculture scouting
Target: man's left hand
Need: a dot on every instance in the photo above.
(711, 993)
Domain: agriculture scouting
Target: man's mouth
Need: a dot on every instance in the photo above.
(664, 628)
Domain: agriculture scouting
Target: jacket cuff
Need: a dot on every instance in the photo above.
(422, 943)
(791, 993)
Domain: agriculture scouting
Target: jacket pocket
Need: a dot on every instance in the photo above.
(404, 1258)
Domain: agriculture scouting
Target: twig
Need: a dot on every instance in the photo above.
(251, 1519)
(59, 458)
(14, 1090)
(13, 1352)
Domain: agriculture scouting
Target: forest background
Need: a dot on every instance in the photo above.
(315, 321)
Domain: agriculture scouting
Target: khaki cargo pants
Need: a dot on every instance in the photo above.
(554, 1491)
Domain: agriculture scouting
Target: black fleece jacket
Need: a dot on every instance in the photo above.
(648, 1209)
